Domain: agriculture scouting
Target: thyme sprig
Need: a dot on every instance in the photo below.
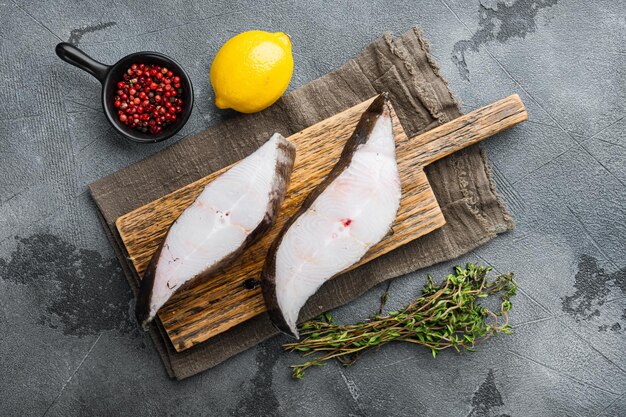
(448, 315)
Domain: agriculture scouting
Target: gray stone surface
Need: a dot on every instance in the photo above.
(68, 343)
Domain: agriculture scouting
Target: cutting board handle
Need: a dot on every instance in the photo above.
(470, 128)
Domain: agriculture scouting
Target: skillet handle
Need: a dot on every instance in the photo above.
(72, 55)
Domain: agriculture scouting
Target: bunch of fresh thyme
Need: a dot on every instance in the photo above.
(444, 316)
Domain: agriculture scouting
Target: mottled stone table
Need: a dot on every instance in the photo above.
(68, 342)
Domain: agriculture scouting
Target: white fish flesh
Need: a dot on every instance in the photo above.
(231, 212)
(348, 213)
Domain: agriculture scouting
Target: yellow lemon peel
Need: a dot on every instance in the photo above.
(252, 70)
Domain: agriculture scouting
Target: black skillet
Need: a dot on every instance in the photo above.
(110, 75)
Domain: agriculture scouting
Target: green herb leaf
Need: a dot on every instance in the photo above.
(445, 315)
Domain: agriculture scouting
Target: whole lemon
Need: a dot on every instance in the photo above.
(252, 70)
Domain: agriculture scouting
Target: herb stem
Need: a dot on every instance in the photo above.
(444, 316)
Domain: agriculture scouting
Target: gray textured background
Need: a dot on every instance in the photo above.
(68, 344)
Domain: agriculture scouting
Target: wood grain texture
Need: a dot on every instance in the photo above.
(469, 129)
(209, 308)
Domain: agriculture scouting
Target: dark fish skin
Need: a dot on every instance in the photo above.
(360, 136)
(284, 167)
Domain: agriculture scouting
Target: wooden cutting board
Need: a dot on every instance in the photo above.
(209, 308)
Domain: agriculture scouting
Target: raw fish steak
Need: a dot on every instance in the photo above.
(231, 213)
(348, 213)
